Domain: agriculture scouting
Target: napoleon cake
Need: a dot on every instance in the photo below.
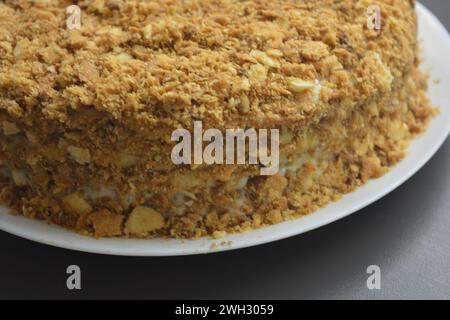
(87, 114)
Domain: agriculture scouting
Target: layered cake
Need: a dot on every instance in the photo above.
(87, 114)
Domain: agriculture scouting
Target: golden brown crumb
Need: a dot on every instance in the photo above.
(106, 224)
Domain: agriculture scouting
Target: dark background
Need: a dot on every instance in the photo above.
(406, 233)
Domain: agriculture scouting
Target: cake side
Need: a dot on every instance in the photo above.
(314, 171)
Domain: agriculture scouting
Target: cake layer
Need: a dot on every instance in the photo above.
(143, 68)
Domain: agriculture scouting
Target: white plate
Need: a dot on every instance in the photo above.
(436, 49)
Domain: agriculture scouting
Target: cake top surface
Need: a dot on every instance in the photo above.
(166, 63)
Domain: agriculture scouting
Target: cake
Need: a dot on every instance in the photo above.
(88, 114)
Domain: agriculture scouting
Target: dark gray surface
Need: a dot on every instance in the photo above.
(407, 234)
